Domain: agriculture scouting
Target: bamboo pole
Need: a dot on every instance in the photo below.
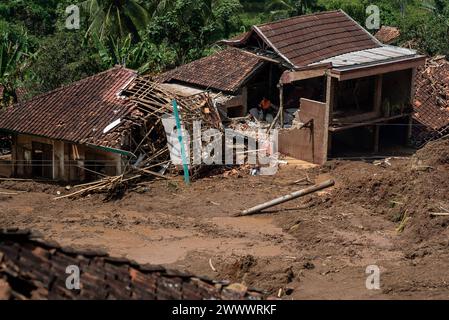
(289, 197)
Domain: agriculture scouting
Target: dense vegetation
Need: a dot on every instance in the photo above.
(38, 53)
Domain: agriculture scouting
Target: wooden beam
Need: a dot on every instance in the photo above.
(412, 88)
(293, 76)
(376, 138)
(362, 72)
(378, 95)
(367, 123)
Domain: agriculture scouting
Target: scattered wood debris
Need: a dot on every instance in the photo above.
(148, 138)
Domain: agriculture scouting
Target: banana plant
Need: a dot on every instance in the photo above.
(122, 51)
(14, 61)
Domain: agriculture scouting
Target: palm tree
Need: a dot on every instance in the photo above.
(116, 17)
(14, 61)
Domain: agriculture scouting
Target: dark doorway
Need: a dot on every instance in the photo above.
(42, 157)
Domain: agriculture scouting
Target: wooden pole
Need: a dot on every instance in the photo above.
(289, 197)
(281, 104)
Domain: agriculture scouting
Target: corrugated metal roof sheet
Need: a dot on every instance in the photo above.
(77, 113)
(310, 38)
(225, 71)
(369, 56)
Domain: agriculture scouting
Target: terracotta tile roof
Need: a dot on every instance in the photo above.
(431, 104)
(388, 35)
(311, 38)
(77, 113)
(225, 70)
(31, 268)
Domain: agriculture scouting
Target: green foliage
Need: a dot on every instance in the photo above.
(37, 16)
(63, 58)
(153, 36)
(115, 17)
(143, 56)
(281, 9)
(190, 26)
(14, 61)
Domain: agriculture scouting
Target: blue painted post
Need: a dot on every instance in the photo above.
(181, 142)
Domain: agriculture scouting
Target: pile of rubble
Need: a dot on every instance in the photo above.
(431, 105)
(31, 268)
(148, 136)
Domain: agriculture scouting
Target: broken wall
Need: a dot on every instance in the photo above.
(307, 143)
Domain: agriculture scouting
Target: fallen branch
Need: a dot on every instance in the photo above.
(287, 198)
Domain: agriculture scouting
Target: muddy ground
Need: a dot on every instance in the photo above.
(317, 247)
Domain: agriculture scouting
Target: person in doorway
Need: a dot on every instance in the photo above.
(266, 106)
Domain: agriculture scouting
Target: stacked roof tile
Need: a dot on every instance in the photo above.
(225, 70)
(431, 104)
(388, 35)
(31, 268)
(76, 113)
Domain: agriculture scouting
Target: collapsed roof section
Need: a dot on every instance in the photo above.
(78, 113)
(225, 71)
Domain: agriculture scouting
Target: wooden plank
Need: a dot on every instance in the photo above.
(293, 76)
(366, 123)
(378, 95)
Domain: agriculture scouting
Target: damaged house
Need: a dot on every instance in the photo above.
(104, 128)
(68, 134)
(332, 87)
(328, 85)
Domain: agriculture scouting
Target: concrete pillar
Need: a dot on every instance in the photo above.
(14, 155)
(118, 164)
(330, 99)
(58, 161)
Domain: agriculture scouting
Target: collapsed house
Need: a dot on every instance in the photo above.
(32, 268)
(334, 89)
(107, 125)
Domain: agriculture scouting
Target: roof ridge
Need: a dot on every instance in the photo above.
(300, 16)
(78, 82)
